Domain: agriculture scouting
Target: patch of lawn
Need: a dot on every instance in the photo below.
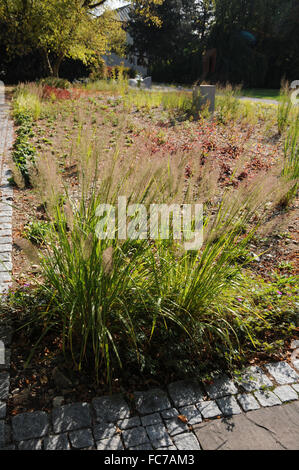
(267, 94)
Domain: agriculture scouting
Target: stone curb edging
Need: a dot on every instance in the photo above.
(6, 197)
(156, 419)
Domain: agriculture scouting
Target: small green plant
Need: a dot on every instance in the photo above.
(23, 153)
(36, 231)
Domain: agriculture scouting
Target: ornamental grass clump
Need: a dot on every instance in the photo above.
(109, 299)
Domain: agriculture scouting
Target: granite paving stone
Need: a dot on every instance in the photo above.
(104, 431)
(111, 408)
(151, 401)
(185, 392)
(129, 423)
(57, 442)
(2, 433)
(221, 387)
(5, 256)
(186, 441)
(27, 426)
(282, 372)
(5, 276)
(176, 426)
(295, 363)
(5, 334)
(248, 402)
(209, 409)
(5, 248)
(142, 447)
(134, 437)
(4, 385)
(71, 417)
(114, 443)
(5, 241)
(2, 410)
(229, 406)
(285, 393)
(5, 267)
(7, 357)
(192, 414)
(151, 419)
(5, 232)
(296, 387)
(31, 444)
(267, 398)
(169, 448)
(171, 413)
(254, 378)
(81, 438)
(158, 435)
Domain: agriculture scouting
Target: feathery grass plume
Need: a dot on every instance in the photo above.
(47, 182)
(290, 170)
(107, 258)
(284, 107)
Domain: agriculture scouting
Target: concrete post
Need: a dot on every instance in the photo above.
(202, 95)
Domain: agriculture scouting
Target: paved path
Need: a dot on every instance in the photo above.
(258, 409)
(274, 428)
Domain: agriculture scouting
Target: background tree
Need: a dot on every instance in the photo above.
(59, 29)
(189, 27)
(172, 47)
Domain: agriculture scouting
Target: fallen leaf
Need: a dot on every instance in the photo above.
(183, 418)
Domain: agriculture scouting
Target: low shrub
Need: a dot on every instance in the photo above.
(55, 82)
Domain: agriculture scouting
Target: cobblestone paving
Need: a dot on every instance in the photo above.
(155, 419)
(6, 197)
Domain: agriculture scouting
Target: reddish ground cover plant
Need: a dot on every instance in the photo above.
(57, 93)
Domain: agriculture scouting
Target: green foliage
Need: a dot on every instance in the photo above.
(36, 231)
(24, 152)
(55, 82)
(284, 109)
(227, 104)
(59, 29)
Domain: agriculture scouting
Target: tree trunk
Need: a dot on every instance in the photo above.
(47, 63)
(57, 64)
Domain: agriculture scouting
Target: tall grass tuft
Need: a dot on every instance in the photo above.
(290, 171)
(27, 99)
(227, 103)
(284, 108)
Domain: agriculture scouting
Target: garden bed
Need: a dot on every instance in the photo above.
(238, 147)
